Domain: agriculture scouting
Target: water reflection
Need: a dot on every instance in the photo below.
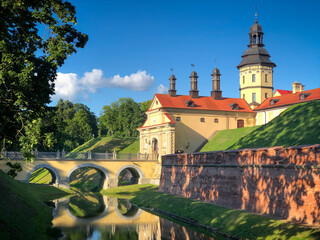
(102, 217)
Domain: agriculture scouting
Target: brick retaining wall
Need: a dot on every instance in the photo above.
(280, 182)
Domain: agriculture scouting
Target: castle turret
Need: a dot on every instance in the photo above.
(256, 69)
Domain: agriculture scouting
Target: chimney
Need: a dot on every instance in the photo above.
(216, 93)
(194, 93)
(297, 87)
(172, 90)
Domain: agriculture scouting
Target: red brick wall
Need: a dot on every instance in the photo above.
(280, 182)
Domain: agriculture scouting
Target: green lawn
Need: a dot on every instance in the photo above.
(239, 224)
(22, 213)
(298, 125)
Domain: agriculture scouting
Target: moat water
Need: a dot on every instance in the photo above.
(101, 217)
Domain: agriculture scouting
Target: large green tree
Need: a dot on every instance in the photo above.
(36, 37)
(75, 124)
(122, 118)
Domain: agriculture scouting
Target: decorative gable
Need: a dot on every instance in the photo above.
(155, 104)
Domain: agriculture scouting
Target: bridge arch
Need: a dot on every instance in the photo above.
(135, 171)
(91, 165)
(54, 172)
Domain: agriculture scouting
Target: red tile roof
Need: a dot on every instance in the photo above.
(289, 99)
(202, 103)
(283, 92)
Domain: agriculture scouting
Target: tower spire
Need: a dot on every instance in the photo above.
(256, 15)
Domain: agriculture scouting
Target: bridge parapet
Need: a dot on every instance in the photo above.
(15, 155)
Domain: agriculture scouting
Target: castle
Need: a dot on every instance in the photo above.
(184, 123)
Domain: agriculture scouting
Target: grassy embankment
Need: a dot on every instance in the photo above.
(108, 144)
(298, 125)
(22, 213)
(239, 224)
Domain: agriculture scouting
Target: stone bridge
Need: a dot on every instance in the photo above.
(146, 171)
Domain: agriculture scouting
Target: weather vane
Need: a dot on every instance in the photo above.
(192, 65)
(171, 69)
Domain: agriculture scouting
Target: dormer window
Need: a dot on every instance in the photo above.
(190, 103)
(273, 101)
(303, 96)
(234, 106)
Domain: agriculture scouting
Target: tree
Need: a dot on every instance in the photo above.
(36, 37)
(122, 118)
(75, 124)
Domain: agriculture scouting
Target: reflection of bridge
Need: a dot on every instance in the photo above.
(147, 171)
(110, 216)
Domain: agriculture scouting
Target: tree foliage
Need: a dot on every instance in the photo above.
(122, 118)
(75, 124)
(36, 37)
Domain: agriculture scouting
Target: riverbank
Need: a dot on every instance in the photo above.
(23, 215)
(238, 224)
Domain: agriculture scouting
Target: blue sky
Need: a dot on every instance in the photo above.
(133, 45)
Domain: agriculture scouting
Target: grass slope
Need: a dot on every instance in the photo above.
(226, 138)
(22, 214)
(239, 224)
(298, 125)
(132, 148)
(104, 144)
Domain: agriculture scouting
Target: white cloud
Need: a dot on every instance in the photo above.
(162, 89)
(70, 86)
(67, 86)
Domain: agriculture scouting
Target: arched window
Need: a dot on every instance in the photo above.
(254, 39)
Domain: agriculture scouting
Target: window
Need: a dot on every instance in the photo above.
(303, 96)
(240, 123)
(273, 101)
(201, 119)
(266, 77)
(243, 79)
(216, 120)
(266, 95)
(254, 97)
(178, 119)
(253, 77)
(243, 96)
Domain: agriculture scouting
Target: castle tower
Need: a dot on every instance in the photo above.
(256, 69)
(216, 93)
(194, 93)
(172, 90)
